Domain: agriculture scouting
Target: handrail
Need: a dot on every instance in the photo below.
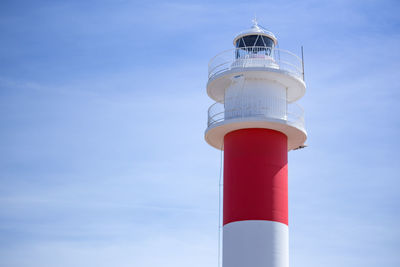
(256, 56)
(292, 113)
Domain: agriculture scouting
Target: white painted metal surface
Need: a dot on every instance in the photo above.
(255, 244)
(249, 97)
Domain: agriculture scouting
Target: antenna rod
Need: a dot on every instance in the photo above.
(302, 60)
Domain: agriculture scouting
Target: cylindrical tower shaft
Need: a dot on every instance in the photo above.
(255, 211)
(256, 121)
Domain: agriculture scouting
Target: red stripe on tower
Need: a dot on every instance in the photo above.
(255, 176)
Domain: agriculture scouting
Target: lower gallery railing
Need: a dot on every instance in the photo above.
(292, 113)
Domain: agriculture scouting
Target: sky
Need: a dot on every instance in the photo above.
(103, 108)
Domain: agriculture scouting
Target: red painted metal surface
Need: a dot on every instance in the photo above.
(255, 176)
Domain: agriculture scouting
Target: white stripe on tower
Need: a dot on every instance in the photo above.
(256, 243)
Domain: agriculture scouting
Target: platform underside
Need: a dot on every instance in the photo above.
(214, 135)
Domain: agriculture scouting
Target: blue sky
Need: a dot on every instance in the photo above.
(102, 114)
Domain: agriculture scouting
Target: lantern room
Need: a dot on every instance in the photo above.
(254, 41)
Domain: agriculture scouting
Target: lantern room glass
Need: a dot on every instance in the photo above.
(253, 46)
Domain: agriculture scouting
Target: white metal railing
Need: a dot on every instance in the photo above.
(258, 56)
(293, 114)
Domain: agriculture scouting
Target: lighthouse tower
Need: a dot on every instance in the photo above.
(256, 121)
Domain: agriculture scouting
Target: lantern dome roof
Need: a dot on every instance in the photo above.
(256, 29)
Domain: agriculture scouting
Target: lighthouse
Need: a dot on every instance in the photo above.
(255, 120)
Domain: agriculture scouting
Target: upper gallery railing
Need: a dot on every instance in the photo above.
(258, 56)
